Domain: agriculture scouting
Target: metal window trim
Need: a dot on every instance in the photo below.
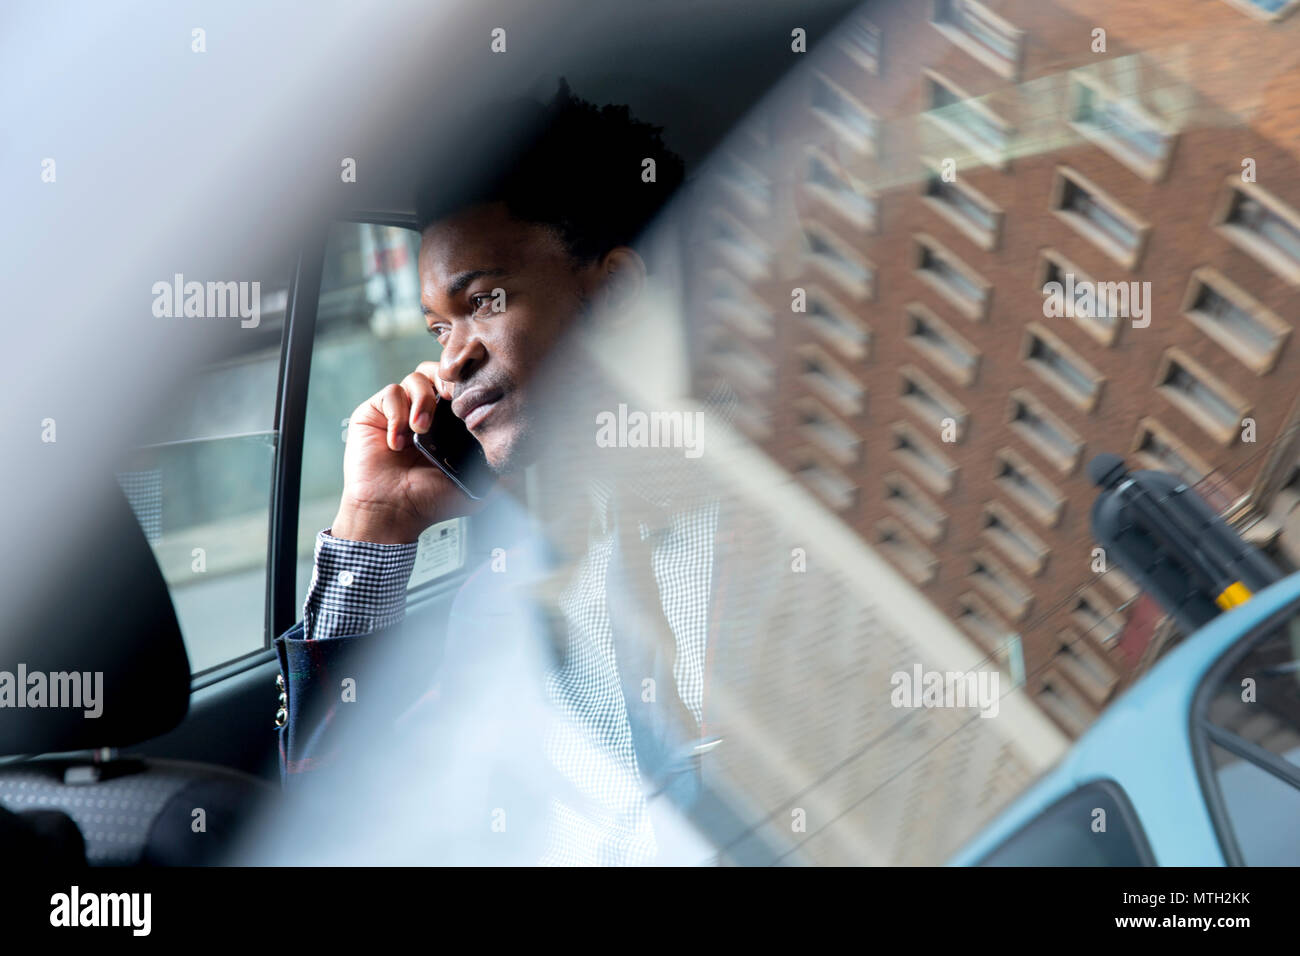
(1202, 732)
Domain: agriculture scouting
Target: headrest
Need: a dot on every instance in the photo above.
(92, 655)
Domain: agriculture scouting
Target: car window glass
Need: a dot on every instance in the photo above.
(370, 332)
(1071, 833)
(1264, 810)
(1259, 698)
(1255, 703)
(200, 485)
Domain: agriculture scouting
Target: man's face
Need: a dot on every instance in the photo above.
(494, 342)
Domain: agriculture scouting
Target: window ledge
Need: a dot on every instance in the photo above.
(845, 133)
(1260, 251)
(1007, 69)
(1128, 258)
(1152, 170)
(984, 238)
(1261, 363)
(1223, 434)
(990, 156)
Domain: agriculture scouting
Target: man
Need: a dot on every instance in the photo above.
(505, 276)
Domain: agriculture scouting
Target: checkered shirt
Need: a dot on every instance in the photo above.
(358, 587)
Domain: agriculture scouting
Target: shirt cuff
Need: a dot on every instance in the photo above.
(356, 587)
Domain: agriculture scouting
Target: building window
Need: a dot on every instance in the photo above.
(1056, 364)
(951, 278)
(1120, 126)
(1236, 321)
(1261, 225)
(1000, 586)
(1097, 618)
(739, 362)
(752, 417)
(934, 469)
(829, 381)
(845, 332)
(979, 620)
(1046, 433)
(843, 266)
(744, 252)
(835, 189)
(1121, 585)
(905, 551)
(1098, 218)
(1086, 667)
(931, 403)
(1025, 485)
(981, 33)
(822, 428)
(1204, 399)
(750, 187)
(1097, 307)
(934, 339)
(963, 206)
(860, 39)
(1157, 448)
(905, 499)
(732, 302)
(969, 122)
(846, 117)
(825, 479)
(1013, 539)
(1270, 10)
(1064, 703)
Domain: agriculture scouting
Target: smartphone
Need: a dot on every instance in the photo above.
(456, 452)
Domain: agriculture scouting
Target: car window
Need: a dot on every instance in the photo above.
(1250, 711)
(1263, 810)
(1072, 832)
(370, 331)
(200, 482)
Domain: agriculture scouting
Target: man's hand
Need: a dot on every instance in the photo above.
(391, 492)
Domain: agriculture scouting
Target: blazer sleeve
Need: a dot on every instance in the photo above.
(338, 691)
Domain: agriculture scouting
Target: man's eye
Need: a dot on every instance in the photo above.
(438, 331)
(482, 303)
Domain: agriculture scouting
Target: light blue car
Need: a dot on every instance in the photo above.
(1198, 764)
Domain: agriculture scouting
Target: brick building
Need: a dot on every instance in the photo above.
(869, 258)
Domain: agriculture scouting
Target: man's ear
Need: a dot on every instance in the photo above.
(621, 277)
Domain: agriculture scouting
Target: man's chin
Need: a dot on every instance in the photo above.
(508, 437)
(501, 447)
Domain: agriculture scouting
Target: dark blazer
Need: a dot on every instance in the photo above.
(403, 674)
(408, 684)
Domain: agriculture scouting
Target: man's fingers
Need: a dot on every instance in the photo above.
(408, 407)
(422, 396)
(395, 405)
(430, 371)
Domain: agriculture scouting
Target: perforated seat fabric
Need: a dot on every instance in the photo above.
(144, 817)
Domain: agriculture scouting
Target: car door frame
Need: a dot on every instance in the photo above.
(1203, 732)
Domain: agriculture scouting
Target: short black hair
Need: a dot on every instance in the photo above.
(577, 170)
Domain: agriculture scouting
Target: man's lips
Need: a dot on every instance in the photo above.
(475, 405)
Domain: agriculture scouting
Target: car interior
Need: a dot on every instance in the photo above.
(168, 584)
(214, 517)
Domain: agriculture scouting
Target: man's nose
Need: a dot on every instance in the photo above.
(462, 355)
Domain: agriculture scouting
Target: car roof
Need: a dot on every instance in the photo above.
(1143, 743)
